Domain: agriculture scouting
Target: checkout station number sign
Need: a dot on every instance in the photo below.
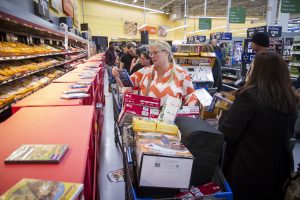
(274, 31)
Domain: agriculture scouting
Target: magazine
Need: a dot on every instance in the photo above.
(36, 189)
(125, 79)
(74, 96)
(38, 153)
(116, 175)
(72, 91)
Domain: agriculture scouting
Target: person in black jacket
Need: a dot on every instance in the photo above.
(257, 128)
(216, 70)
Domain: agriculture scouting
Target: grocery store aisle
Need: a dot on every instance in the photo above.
(110, 154)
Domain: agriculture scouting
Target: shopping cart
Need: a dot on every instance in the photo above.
(131, 178)
(117, 106)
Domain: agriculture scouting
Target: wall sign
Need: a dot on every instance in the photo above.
(275, 31)
(68, 7)
(56, 5)
(252, 31)
(204, 23)
(162, 31)
(42, 9)
(130, 28)
(237, 15)
(290, 6)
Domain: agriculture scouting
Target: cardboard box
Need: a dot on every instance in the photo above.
(130, 110)
(130, 98)
(163, 163)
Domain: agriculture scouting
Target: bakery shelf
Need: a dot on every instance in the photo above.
(11, 103)
(37, 55)
(36, 71)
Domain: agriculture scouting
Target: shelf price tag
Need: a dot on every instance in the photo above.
(274, 31)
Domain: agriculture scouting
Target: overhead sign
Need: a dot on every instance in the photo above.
(196, 39)
(237, 15)
(221, 36)
(226, 36)
(290, 6)
(204, 23)
(151, 30)
(275, 31)
(252, 31)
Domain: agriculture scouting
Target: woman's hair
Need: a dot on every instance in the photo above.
(271, 79)
(164, 46)
(147, 56)
(208, 48)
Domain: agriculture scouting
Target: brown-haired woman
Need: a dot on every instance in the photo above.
(258, 128)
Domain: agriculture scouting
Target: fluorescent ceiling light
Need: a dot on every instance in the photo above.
(168, 3)
(179, 27)
(247, 18)
(142, 26)
(135, 6)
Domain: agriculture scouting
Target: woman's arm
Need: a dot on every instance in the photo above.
(115, 73)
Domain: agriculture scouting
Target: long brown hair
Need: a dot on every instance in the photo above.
(271, 79)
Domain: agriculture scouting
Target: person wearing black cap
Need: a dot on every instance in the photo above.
(260, 42)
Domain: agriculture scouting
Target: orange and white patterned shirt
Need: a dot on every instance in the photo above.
(176, 82)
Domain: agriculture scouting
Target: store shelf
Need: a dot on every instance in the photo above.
(10, 104)
(37, 55)
(295, 53)
(19, 19)
(296, 64)
(33, 72)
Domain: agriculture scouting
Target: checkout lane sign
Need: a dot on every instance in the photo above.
(274, 31)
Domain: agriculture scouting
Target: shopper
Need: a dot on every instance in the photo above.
(257, 128)
(127, 57)
(164, 78)
(217, 49)
(110, 60)
(260, 42)
(144, 61)
(216, 70)
(110, 55)
(223, 52)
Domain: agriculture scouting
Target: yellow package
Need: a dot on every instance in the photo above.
(163, 127)
(144, 124)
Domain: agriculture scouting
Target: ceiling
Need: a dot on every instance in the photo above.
(215, 8)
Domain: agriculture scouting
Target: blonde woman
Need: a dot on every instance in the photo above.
(164, 78)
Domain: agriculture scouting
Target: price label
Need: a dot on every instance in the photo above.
(274, 31)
